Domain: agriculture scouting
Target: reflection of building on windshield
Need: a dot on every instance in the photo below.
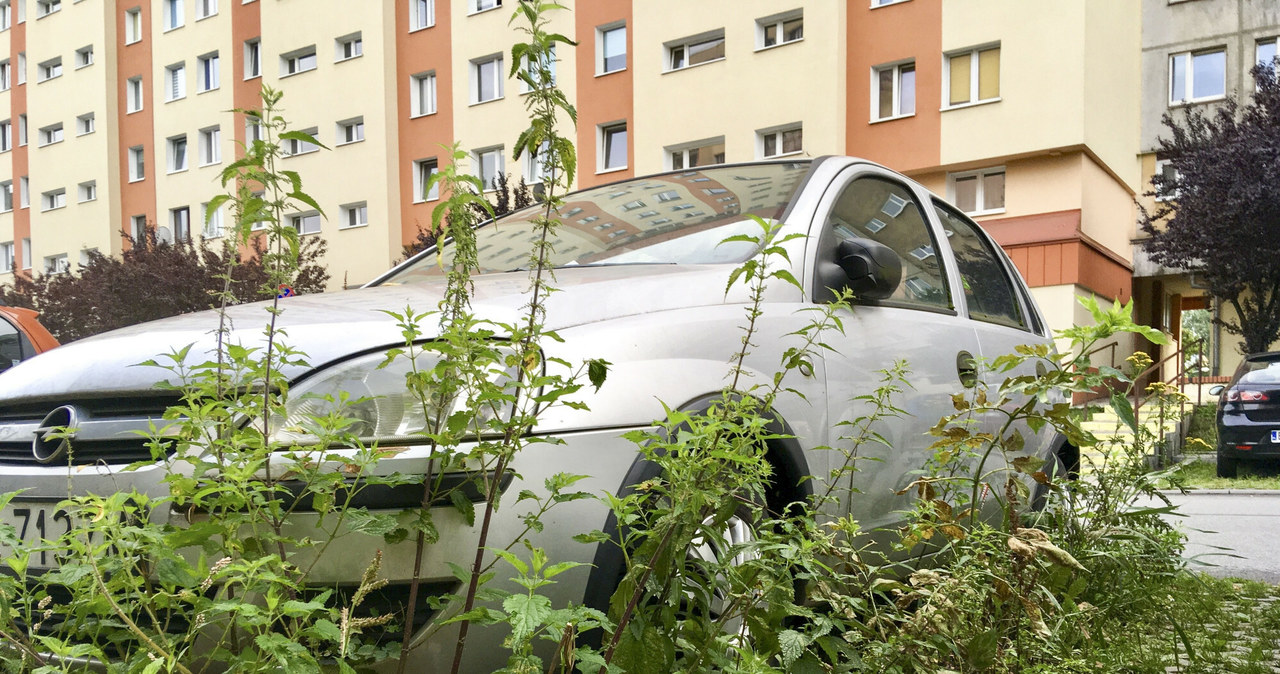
(676, 218)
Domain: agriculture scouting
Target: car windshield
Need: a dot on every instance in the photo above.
(675, 218)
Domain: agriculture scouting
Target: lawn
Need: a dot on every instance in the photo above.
(1203, 475)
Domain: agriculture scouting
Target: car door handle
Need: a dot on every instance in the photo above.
(967, 369)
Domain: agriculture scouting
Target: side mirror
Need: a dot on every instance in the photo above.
(1217, 390)
(872, 270)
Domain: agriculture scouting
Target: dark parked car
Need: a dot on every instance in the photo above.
(1249, 414)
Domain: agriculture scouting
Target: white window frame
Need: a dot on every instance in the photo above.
(51, 134)
(48, 70)
(478, 6)
(876, 4)
(133, 25)
(601, 56)
(253, 58)
(24, 192)
(975, 79)
(6, 135)
(6, 196)
(138, 227)
(778, 23)
(46, 7)
(178, 153)
(252, 130)
(1189, 80)
(422, 170)
(180, 223)
(352, 42)
(897, 70)
(206, 9)
(682, 149)
(500, 165)
(173, 14)
(291, 63)
(532, 73)
(492, 63)
(208, 73)
(57, 264)
(175, 81)
(6, 15)
(137, 164)
(86, 124)
(777, 133)
(53, 199)
(350, 131)
(6, 75)
(84, 57)
(134, 99)
(212, 228)
(603, 138)
(87, 191)
(355, 215)
(422, 14)
(22, 129)
(310, 219)
(980, 193)
(210, 145)
(535, 166)
(22, 67)
(683, 47)
(293, 148)
(1161, 165)
(422, 87)
(6, 257)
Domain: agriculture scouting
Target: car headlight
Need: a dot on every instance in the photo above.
(376, 399)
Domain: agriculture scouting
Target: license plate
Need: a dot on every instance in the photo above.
(1275, 437)
(35, 522)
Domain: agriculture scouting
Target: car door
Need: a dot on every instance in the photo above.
(914, 321)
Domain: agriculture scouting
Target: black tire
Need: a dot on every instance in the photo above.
(1227, 467)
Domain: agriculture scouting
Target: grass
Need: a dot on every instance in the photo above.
(1203, 475)
(1204, 427)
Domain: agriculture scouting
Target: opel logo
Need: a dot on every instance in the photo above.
(55, 433)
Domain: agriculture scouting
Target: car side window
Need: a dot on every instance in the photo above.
(10, 345)
(988, 290)
(888, 213)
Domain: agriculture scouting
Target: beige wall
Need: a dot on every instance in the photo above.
(1112, 80)
(749, 90)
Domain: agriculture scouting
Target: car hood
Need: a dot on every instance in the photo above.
(332, 326)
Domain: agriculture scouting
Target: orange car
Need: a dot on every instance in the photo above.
(21, 336)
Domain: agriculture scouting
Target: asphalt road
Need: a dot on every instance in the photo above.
(1237, 532)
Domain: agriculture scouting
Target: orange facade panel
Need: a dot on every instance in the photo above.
(137, 128)
(423, 79)
(18, 101)
(602, 98)
(1049, 249)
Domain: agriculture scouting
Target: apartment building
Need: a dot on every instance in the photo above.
(1194, 55)
(1008, 108)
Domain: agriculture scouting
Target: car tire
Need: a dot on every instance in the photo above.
(1227, 467)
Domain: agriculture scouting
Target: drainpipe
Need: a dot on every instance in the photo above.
(1217, 336)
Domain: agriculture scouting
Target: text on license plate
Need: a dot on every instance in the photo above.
(34, 522)
(1275, 437)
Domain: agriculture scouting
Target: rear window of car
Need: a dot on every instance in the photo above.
(1265, 370)
(675, 218)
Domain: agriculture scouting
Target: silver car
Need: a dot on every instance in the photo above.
(642, 276)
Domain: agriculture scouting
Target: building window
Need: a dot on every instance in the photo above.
(212, 222)
(348, 47)
(422, 14)
(49, 69)
(978, 192)
(487, 164)
(46, 7)
(535, 164)
(53, 199)
(84, 56)
(893, 91)
(178, 153)
(1167, 190)
(5, 72)
(693, 155)
(296, 146)
(6, 257)
(1197, 76)
(210, 145)
(298, 61)
(6, 15)
(175, 81)
(6, 192)
(51, 134)
(252, 130)
(252, 58)
(133, 25)
(779, 29)
(138, 230)
(611, 48)
(355, 215)
(208, 73)
(306, 223)
(57, 264)
(351, 131)
(781, 142)
(137, 164)
(22, 129)
(423, 169)
(88, 191)
(206, 8)
(22, 67)
(26, 253)
(6, 136)
(486, 79)
(533, 72)
(133, 94)
(882, 3)
(423, 88)
(180, 223)
(1266, 54)
(173, 14)
(612, 141)
(24, 192)
(973, 76)
(695, 50)
(484, 5)
(85, 124)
